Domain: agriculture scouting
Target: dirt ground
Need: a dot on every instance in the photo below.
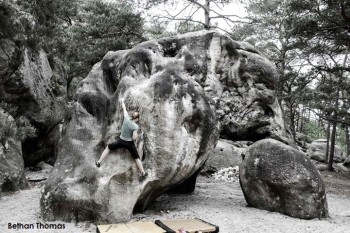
(219, 202)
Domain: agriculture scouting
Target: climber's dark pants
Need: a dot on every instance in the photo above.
(129, 145)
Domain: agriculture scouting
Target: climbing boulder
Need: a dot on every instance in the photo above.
(11, 161)
(278, 178)
(187, 89)
(317, 151)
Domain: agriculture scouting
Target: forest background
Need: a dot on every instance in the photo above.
(308, 40)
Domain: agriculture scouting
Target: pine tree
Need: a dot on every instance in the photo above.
(270, 31)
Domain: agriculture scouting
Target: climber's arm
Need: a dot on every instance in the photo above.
(134, 135)
(124, 108)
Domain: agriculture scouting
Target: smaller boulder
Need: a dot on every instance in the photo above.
(224, 155)
(11, 160)
(279, 178)
(347, 162)
(322, 167)
(317, 151)
(38, 173)
(339, 167)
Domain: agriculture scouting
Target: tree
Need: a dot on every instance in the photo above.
(270, 31)
(309, 41)
(325, 27)
(210, 8)
(18, 128)
(157, 29)
(49, 19)
(185, 26)
(98, 28)
(82, 32)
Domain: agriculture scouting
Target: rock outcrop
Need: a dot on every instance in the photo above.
(31, 82)
(188, 89)
(11, 160)
(317, 151)
(36, 86)
(278, 178)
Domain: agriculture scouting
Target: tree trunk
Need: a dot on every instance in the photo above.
(297, 120)
(331, 152)
(334, 126)
(282, 80)
(347, 140)
(292, 119)
(328, 139)
(302, 119)
(206, 15)
(335, 118)
(346, 106)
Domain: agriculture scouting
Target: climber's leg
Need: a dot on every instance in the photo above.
(134, 153)
(103, 156)
(107, 150)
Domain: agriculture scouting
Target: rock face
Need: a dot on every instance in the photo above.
(224, 155)
(187, 89)
(242, 83)
(278, 178)
(36, 86)
(317, 151)
(347, 161)
(11, 161)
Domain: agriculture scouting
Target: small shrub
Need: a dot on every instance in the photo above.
(18, 128)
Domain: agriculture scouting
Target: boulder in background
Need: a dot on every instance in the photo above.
(36, 85)
(224, 155)
(11, 160)
(278, 178)
(317, 151)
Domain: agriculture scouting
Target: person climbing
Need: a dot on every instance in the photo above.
(127, 137)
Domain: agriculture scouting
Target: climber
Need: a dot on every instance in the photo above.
(127, 136)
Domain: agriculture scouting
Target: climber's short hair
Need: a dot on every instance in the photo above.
(135, 115)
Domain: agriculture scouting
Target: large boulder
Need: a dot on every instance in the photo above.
(185, 88)
(35, 84)
(317, 151)
(242, 83)
(279, 178)
(31, 82)
(11, 161)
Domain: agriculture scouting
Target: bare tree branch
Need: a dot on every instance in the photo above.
(195, 12)
(200, 5)
(179, 19)
(180, 11)
(217, 5)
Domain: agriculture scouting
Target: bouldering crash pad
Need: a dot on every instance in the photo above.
(189, 225)
(134, 227)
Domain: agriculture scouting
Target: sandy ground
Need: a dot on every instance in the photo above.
(219, 202)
